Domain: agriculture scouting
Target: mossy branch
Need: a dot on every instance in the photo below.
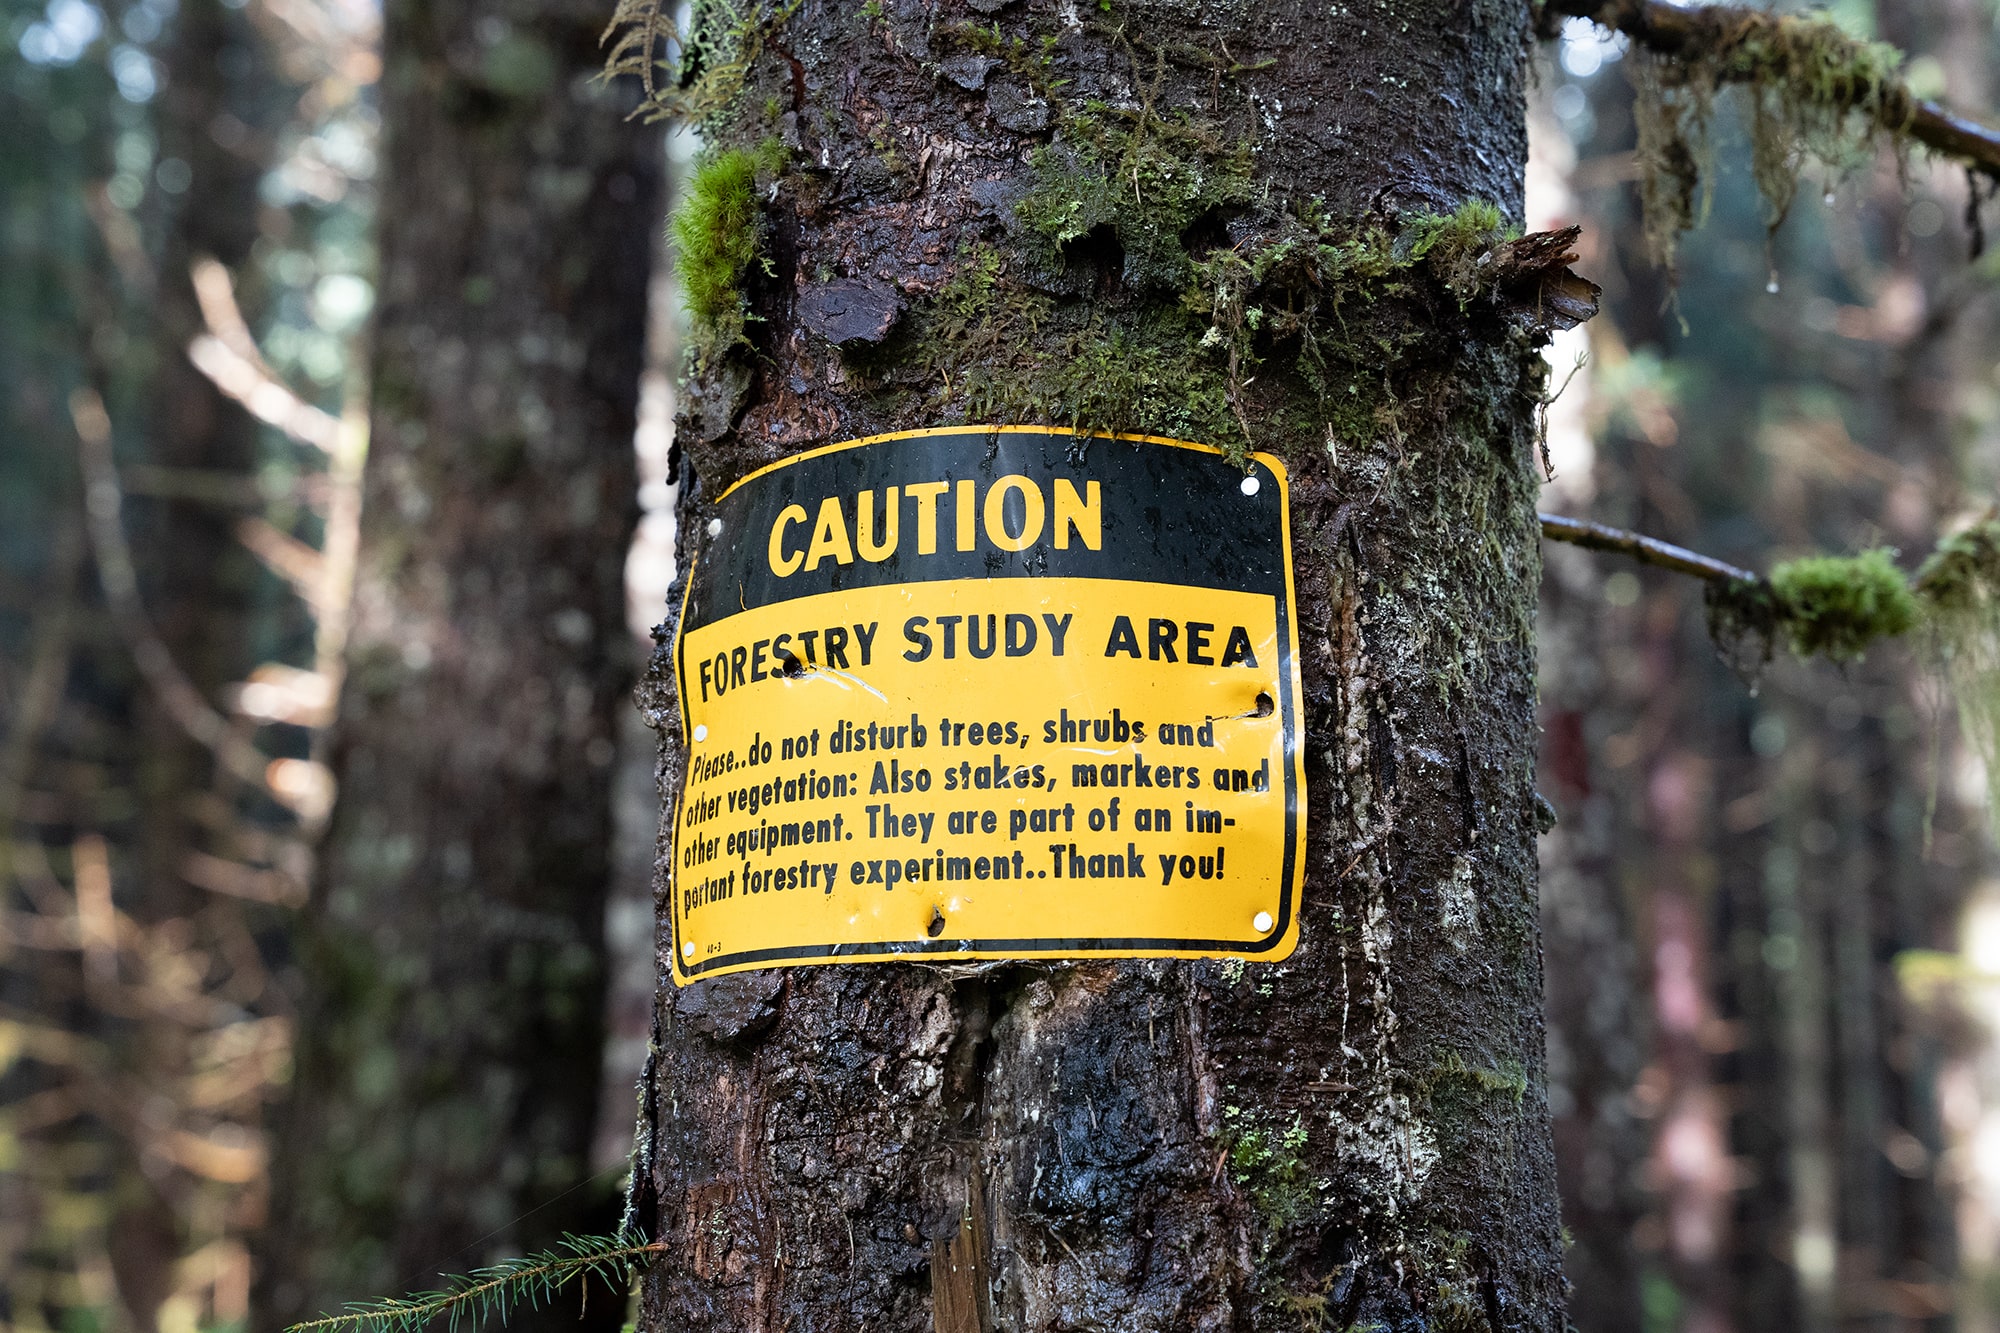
(1816, 60)
(1836, 606)
(1830, 606)
(493, 1293)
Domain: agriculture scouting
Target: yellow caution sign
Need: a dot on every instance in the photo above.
(990, 692)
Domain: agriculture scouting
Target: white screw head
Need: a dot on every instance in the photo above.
(715, 527)
(1261, 922)
(701, 732)
(1251, 485)
(687, 949)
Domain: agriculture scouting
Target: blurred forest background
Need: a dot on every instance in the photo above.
(336, 481)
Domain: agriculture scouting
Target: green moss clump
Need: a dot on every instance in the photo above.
(1147, 178)
(1961, 576)
(717, 234)
(1838, 605)
(1264, 1158)
(1453, 243)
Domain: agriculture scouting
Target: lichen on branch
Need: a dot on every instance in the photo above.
(1838, 605)
(1813, 91)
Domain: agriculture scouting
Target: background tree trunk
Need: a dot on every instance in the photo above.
(1358, 1134)
(105, 799)
(451, 1025)
(1765, 857)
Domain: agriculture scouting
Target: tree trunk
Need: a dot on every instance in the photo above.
(1775, 846)
(202, 581)
(1039, 198)
(447, 1069)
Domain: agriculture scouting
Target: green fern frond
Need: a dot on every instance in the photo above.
(492, 1294)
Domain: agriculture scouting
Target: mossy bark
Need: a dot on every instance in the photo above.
(1358, 1135)
(451, 1021)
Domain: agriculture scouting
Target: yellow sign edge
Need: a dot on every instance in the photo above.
(1280, 945)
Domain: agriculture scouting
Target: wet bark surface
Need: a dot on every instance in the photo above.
(451, 1023)
(1356, 1135)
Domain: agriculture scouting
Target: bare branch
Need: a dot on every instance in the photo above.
(104, 503)
(1692, 31)
(229, 356)
(1646, 550)
(275, 692)
(235, 880)
(286, 556)
(268, 400)
(215, 292)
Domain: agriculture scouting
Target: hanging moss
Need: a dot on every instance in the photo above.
(1838, 605)
(1811, 91)
(1960, 588)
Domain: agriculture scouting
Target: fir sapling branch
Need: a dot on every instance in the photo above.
(491, 1294)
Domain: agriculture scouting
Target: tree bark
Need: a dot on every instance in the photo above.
(1359, 1134)
(451, 1024)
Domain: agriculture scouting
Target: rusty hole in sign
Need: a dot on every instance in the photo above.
(936, 927)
